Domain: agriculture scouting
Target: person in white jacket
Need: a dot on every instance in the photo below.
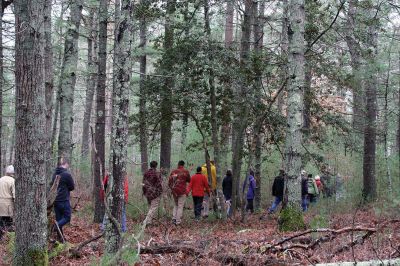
(7, 197)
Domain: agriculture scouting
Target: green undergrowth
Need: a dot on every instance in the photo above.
(291, 219)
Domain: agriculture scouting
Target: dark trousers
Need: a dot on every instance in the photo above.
(63, 212)
(197, 202)
(5, 224)
(250, 206)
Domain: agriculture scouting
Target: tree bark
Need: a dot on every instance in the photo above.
(30, 122)
(142, 89)
(49, 84)
(226, 104)
(356, 62)
(122, 76)
(258, 125)
(90, 81)
(371, 84)
(284, 53)
(68, 80)
(166, 92)
(1, 81)
(293, 143)
(241, 112)
(100, 112)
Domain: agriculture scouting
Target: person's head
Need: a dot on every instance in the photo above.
(281, 172)
(303, 172)
(212, 162)
(198, 170)
(251, 172)
(317, 177)
(309, 175)
(10, 170)
(181, 163)
(63, 162)
(229, 172)
(153, 164)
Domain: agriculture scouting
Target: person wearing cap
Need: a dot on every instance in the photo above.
(62, 205)
(7, 197)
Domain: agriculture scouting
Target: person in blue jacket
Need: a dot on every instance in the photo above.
(251, 181)
(62, 205)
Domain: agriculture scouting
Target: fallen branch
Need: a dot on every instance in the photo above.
(77, 250)
(167, 249)
(359, 240)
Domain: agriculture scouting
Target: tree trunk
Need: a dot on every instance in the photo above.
(142, 89)
(90, 82)
(284, 53)
(257, 128)
(210, 83)
(1, 81)
(100, 113)
(355, 55)
(371, 84)
(30, 122)
(68, 80)
(49, 84)
(122, 76)
(226, 104)
(293, 143)
(166, 92)
(241, 112)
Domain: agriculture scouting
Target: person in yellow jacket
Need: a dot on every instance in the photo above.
(213, 186)
(7, 197)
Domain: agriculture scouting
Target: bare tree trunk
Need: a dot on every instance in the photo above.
(355, 54)
(122, 76)
(294, 136)
(142, 88)
(30, 122)
(257, 128)
(1, 81)
(213, 98)
(226, 103)
(90, 82)
(166, 93)
(371, 84)
(49, 84)
(68, 80)
(241, 112)
(100, 112)
(284, 53)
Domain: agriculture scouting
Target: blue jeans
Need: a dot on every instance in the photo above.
(275, 204)
(304, 202)
(63, 212)
(123, 220)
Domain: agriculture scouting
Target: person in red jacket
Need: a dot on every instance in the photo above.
(126, 197)
(198, 185)
(177, 182)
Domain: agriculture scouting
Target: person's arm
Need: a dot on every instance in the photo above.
(189, 187)
(13, 190)
(70, 182)
(188, 177)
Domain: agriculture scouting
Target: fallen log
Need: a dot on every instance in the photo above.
(167, 249)
(76, 252)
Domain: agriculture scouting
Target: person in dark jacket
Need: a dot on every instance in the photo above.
(62, 205)
(304, 190)
(227, 191)
(251, 181)
(277, 190)
(152, 190)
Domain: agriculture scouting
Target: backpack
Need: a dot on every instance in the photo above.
(312, 187)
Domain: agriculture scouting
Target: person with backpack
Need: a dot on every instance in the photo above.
(7, 197)
(152, 190)
(318, 182)
(250, 181)
(312, 189)
(211, 196)
(198, 186)
(227, 191)
(277, 190)
(62, 205)
(304, 191)
(177, 182)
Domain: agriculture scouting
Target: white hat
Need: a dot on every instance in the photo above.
(317, 177)
(303, 172)
(10, 170)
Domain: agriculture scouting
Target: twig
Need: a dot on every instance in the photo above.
(76, 251)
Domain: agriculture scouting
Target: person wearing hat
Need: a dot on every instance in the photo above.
(7, 197)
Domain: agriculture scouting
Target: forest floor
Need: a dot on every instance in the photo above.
(216, 242)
